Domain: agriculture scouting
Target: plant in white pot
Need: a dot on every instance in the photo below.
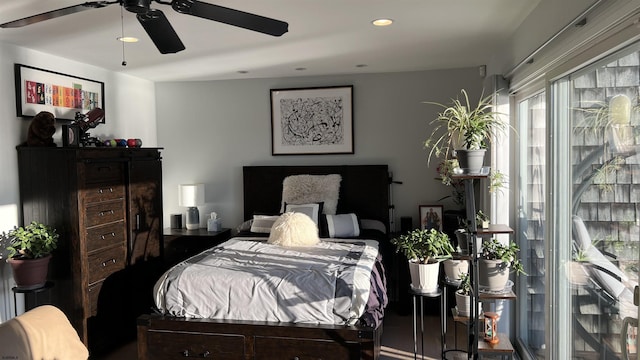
(424, 249)
(496, 261)
(28, 251)
(463, 297)
(454, 269)
(463, 130)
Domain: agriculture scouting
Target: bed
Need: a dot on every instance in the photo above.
(363, 191)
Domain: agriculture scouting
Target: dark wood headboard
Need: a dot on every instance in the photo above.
(364, 189)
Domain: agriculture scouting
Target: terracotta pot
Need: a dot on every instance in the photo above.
(424, 277)
(30, 273)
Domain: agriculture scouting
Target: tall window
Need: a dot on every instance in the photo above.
(596, 215)
(595, 186)
(531, 215)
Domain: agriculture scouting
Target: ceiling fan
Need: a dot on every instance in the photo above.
(157, 25)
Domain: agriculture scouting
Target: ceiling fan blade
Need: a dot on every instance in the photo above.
(56, 13)
(231, 17)
(160, 31)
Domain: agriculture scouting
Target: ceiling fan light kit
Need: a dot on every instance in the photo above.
(158, 27)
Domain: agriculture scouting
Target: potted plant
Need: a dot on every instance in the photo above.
(455, 268)
(463, 296)
(28, 251)
(424, 249)
(463, 130)
(495, 262)
(482, 219)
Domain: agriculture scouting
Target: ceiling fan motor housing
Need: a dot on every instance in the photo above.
(137, 6)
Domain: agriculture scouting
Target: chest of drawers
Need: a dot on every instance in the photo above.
(106, 204)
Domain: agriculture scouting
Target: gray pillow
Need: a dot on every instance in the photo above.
(263, 223)
(343, 225)
(311, 210)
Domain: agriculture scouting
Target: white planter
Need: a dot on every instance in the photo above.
(424, 277)
(454, 268)
(493, 274)
(463, 304)
(471, 161)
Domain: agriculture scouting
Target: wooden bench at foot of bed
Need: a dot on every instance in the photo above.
(165, 337)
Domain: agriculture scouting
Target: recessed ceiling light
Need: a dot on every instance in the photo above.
(382, 22)
(127, 39)
(243, 72)
(301, 68)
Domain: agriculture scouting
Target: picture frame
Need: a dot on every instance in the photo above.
(61, 94)
(312, 121)
(430, 217)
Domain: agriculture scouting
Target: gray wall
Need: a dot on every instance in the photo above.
(211, 129)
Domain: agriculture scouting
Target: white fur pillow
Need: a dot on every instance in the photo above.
(294, 229)
(305, 189)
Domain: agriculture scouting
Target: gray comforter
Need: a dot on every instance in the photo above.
(248, 279)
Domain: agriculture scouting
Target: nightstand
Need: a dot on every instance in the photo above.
(181, 244)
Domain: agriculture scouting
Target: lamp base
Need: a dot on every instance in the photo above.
(193, 218)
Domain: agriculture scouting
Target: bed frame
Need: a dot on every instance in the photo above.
(365, 191)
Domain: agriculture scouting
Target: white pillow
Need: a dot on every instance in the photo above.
(343, 225)
(304, 189)
(263, 223)
(311, 210)
(294, 229)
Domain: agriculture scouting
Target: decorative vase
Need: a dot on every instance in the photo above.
(424, 277)
(471, 161)
(30, 273)
(493, 274)
(454, 268)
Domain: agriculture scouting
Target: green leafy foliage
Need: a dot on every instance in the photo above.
(424, 246)
(493, 249)
(33, 241)
(465, 284)
(461, 124)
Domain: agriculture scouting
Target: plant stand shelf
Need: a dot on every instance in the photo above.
(476, 346)
(504, 349)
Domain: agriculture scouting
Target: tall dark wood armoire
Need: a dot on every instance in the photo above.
(106, 204)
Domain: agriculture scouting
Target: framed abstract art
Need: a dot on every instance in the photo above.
(312, 121)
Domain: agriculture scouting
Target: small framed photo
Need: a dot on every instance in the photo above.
(431, 217)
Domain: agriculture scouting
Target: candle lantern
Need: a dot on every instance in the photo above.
(491, 327)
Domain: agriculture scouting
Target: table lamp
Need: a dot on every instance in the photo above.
(190, 196)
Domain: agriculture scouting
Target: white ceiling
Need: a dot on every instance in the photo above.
(326, 37)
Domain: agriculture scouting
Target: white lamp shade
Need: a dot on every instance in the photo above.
(191, 195)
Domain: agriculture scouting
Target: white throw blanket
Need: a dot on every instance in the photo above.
(248, 279)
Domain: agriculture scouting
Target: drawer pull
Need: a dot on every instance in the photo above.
(105, 263)
(102, 191)
(106, 212)
(112, 234)
(186, 353)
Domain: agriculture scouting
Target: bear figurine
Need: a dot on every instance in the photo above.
(41, 130)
